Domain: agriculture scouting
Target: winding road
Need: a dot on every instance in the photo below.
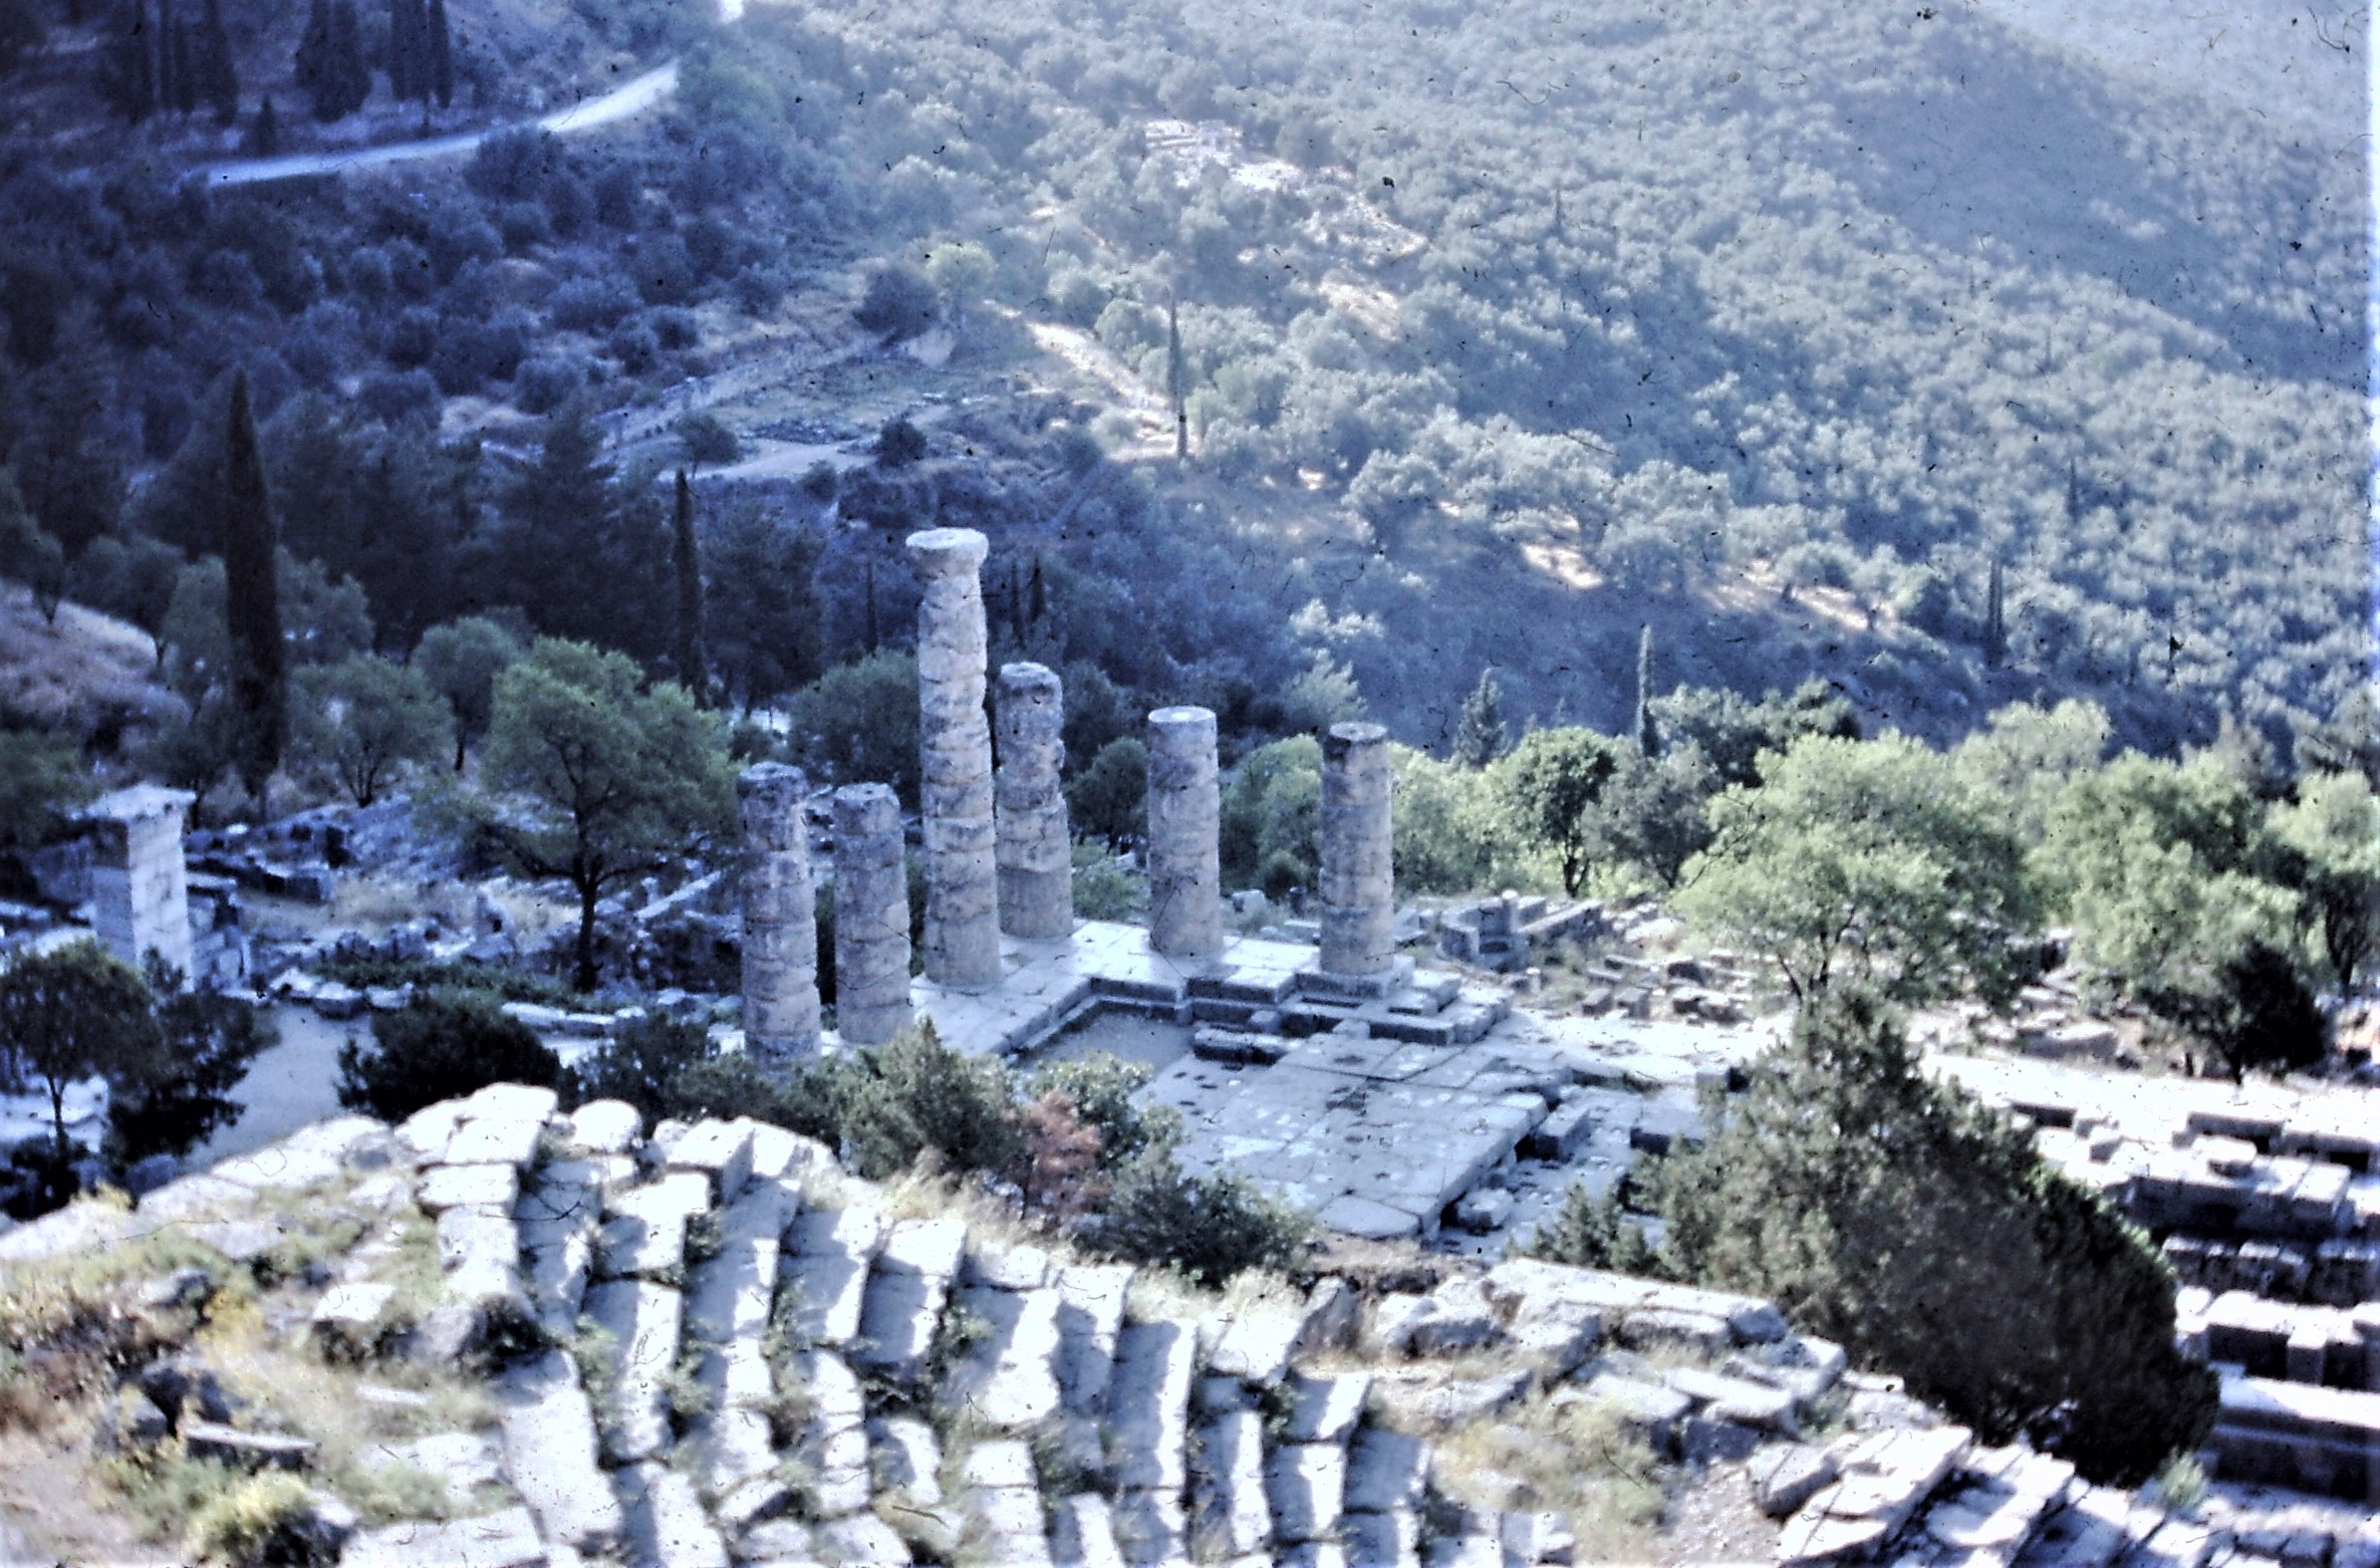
(630, 99)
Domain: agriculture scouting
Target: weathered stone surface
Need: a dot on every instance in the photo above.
(1458, 1317)
(645, 1230)
(1648, 1409)
(640, 1324)
(1556, 1337)
(604, 1126)
(1386, 1472)
(1004, 1266)
(1389, 1326)
(861, 1542)
(664, 1523)
(780, 928)
(962, 934)
(465, 1461)
(1333, 1312)
(776, 1541)
(1148, 1406)
(1306, 1483)
(494, 1540)
(905, 1458)
(1386, 1539)
(1035, 854)
(720, 1151)
(1008, 1381)
(556, 1277)
(871, 949)
(248, 1451)
(351, 1319)
(765, 1211)
(1008, 1521)
(1353, 839)
(1090, 1315)
(460, 1187)
(1186, 907)
(1786, 1475)
(1425, 1400)
(1151, 1528)
(550, 1453)
(492, 1140)
(1254, 1344)
(1737, 1400)
(729, 1295)
(1885, 1476)
(736, 1375)
(833, 1444)
(1081, 1533)
(825, 1273)
(1326, 1408)
(729, 1447)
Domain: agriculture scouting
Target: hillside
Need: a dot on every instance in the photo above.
(1787, 337)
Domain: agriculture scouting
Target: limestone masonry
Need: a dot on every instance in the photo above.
(872, 951)
(780, 942)
(1186, 876)
(962, 915)
(1036, 851)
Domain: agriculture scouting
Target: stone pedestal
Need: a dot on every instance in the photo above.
(963, 912)
(1036, 852)
(1185, 873)
(1359, 900)
(870, 915)
(781, 964)
(139, 884)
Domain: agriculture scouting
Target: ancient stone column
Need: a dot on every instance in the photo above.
(1036, 852)
(962, 895)
(870, 915)
(780, 915)
(139, 883)
(1359, 901)
(1186, 871)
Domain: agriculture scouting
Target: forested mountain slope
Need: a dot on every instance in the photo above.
(1871, 295)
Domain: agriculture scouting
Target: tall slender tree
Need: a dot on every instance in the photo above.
(252, 608)
(1176, 380)
(441, 55)
(173, 56)
(407, 51)
(1996, 625)
(128, 66)
(685, 561)
(1479, 733)
(1647, 730)
(314, 48)
(218, 76)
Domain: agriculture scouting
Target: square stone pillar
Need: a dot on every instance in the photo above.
(139, 884)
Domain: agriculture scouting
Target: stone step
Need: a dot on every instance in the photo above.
(1090, 1315)
(1149, 1408)
(823, 1274)
(1150, 1527)
(665, 1526)
(1230, 1515)
(1008, 1381)
(832, 1445)
(492, 1540)
(1002, 1505)
(639, 1327)
(645, 1228)
(1083, 1533)
(1306, 1485)
(550, 1454)
(905, 1293)
(730, 1295)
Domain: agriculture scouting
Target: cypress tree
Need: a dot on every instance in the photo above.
(403, 50)
(441, 54)
(687, 561)
(264, 136)
(1995, 618)
(251, 601)
(1479, 733)
(347, 51)
(183, 95)
(168, 49)
(314, 49)
(218, 74)
(1648, 734)
(1016, 608)
(1037, 596)
(1176, 377)
(128, 67)
(868, 633)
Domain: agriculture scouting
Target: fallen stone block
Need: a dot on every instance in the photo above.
(550, 1453)
(495, 1540)
(248, 1451)
(1786, 1475)
(1148, 1405)
(665, 1523)
(861, 1541)
(1306, 1485)
(1387, 1473)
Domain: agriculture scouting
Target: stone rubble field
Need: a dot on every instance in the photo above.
(711, 1345)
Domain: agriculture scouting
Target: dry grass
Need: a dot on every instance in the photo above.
(76, 672)
(1577, 1458)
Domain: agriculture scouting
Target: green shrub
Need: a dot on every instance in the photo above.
(258, 1519)
(1593, 1233)
(441, 1045)
(918, 1094)
(638, 1064)
(1211, 1227)
(1922, 1231)
(1100, 1088)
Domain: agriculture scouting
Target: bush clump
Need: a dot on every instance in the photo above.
(267, 1518)
(1922, 1231)
(441, 1045)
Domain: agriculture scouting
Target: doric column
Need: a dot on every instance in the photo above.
(962, 896)
(1359, 901)
(1036, 852)
(1185, 873)
(870, 915)
(780, 917)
